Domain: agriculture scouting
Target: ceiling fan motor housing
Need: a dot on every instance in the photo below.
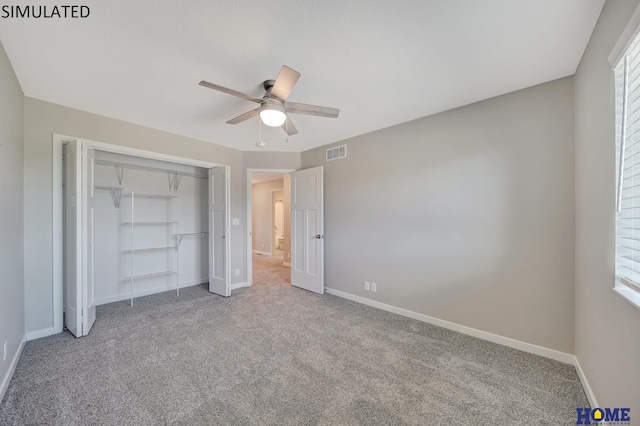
(268, 85)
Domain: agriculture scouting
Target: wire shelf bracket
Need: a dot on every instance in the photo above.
(116, 194)
(179, 237)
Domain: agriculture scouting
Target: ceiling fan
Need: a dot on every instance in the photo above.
(274, 109)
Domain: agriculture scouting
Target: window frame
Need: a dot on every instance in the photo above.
(619, 62)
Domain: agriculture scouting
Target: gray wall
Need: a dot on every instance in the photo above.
(12, 327)
(607, 340)
(42, 120)
(466, 216)
(271, 160)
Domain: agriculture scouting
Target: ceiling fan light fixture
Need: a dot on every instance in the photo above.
(274, 108)
(273, 115)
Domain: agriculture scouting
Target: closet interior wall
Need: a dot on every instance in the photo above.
(160, 213)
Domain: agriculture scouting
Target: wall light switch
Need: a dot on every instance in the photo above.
(367, 285)
(374, 287)
(236, 221)
(237, 272)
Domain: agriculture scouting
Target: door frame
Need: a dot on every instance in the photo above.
(249, 225)
(57, 207)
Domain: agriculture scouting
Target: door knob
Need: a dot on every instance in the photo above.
(318, 236)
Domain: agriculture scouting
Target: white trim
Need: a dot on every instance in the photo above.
(192, 283)
(628, 35)
(39, 334)
(628, 294)
(12, 368)
(249, 223)
(240, 285)
(125, 150)
(57, 257)
(57, 226)
(264, 253)
(585, 384)
(149, 291)
(227, 219)
(501, 340)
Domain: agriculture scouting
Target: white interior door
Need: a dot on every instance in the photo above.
(73, 238)
(307, 229)
(219, 231)
(88, 237)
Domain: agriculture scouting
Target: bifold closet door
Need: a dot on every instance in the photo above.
(73, 238)
(88, 238)
(219, 231)
(80, 308)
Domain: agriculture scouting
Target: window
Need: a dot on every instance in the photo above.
(627, 98)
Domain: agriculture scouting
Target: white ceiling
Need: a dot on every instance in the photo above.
(380, 62)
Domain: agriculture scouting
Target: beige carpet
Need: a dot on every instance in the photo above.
(273, 354)
(269, 270)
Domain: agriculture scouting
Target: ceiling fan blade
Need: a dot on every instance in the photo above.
(283, 86)
(245, 116)
(229, 91)
(312, 109)
(289, 127)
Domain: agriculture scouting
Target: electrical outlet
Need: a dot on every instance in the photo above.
(288, 255)
(374, 287)
(4, 357)
(263, 246)
(235, 221)
(237, 272)
(367, 285)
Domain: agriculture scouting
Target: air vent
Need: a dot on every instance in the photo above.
(336, 152)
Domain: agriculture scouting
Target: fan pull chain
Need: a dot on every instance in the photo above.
(286, 128)
(260, 143)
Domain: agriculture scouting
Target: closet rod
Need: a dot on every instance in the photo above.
(149, 169)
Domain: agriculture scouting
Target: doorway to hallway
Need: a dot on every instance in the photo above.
(269, 242)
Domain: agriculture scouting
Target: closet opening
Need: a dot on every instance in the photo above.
(134, 223)
(151, 230)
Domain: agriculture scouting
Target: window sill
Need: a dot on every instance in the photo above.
(628, 294)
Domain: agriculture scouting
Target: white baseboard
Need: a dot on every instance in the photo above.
(585, 384)
(240, 285)
(33, 335)
(287, 264)
(194, 282)
(501, 340)
(147, 292)
(264, 253)
(12, 368)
